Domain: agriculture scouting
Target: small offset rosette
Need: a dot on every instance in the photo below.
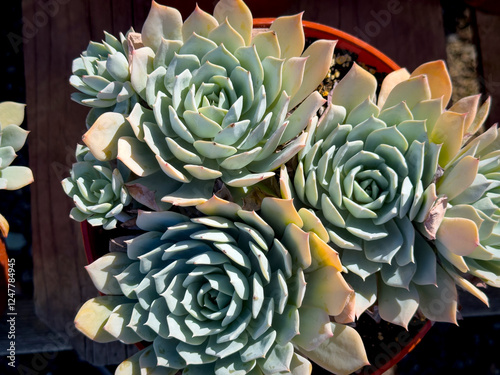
(232, 291)
(97, 190)
(102, 76)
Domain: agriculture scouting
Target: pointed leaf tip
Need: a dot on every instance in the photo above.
(162, 21)
(439, 79)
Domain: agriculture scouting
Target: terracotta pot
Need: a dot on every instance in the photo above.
(366, 53)
(95, 240)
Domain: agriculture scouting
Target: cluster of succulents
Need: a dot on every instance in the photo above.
(228, 292)
(388, 200)
(12, 139)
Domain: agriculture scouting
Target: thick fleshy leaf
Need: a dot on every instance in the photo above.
(216, 206)
(102, 137)
(389, 82)
(411, 91)
(117, 324)
(267, 44)
(468, 106)
(162, 22)
(93, 315)
(278, 359)
(322, 254)
(238, 15)
(343, 354)
(279, 213)
(481, 116)
(134, 154)
(397, 305)
(103, 270)
(365, 292)
(14, 177)
(11, 113)
(131, 365)
(319, 58)
(140, 67)
(314, 328)
(354, 88)
(327, 289)
(458, 178)
(301, 116)
(439, 302)
(448, 130)
(13, 136)
(198, 22)
(458, 235)
(290, 35)
(439, 79)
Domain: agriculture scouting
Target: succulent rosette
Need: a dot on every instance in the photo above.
(369, 171)
(97, 189)
(231, 291)
(102, 75)
(214, 99)
(466, 230)
(12, 139)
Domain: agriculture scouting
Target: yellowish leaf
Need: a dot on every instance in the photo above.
(389, 82)
(342, 354)
(238, 15)
(448, 131)
(459, 235)
(11, 113)
(290, 35)
(439, 79)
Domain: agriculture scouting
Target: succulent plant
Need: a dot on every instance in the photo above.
(12, 139)
(368, 170)
(466, 227)
(226, 292)
(102, 75)
(97, 189)
(214, 99)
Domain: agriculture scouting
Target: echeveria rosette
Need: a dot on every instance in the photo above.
(467, 231)
(98, 191)
(215, 100)
(102, 75)
(227, 292)
(368, 170)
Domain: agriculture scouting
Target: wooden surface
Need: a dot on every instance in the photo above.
(488, 33)
(32, 335)
(411, 35)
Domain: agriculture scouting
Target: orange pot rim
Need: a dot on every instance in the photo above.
(367, 54)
